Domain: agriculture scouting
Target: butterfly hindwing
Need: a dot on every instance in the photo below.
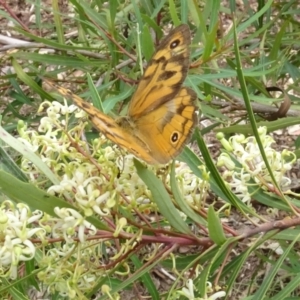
(168, 129)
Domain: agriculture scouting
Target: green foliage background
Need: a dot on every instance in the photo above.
(100, 47)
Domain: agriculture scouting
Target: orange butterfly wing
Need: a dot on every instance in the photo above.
(164, 75)
(167, 129)
(164, 113)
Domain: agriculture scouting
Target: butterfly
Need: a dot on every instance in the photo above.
(162, 114)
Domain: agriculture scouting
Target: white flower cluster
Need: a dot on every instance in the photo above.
(189, 292)
(68, 270)
(245, 166)
(16, 231)
(194, 189)
(22, 231)
(94, 180)
(93, 192)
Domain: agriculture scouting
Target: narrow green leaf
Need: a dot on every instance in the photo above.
(147, 6)
(17, 90)
(184, 12)
(51, 43)
(8, 164)
(90, 16)
(113, 8)
(183, 205)
(37, 13)
(80, 62)
(147, 46)
(214, 14)
(271, 126)
(30, 266)
(215, 228)
(161, 197)
(137, 12)
(151, 23)
(288, 289)
(14, 292)
(244, 25)
(198, 18)
(35, 198)
(146, 279)
(58, 22)
(29, 194)
(27, 153)
(191, 159)
(233, 269)
(251, 116)
(95, 96)
(269, 279)
(276, 45)
(28, 80)
(211, 37)
(216, 177)
(173, 13)
(20, 99)
(16, 288)
(110, 103)
(205, 275)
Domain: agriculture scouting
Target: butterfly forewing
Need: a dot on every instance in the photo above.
(119, 132)
(164, 74)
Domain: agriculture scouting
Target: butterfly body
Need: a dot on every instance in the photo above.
(162, 114)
